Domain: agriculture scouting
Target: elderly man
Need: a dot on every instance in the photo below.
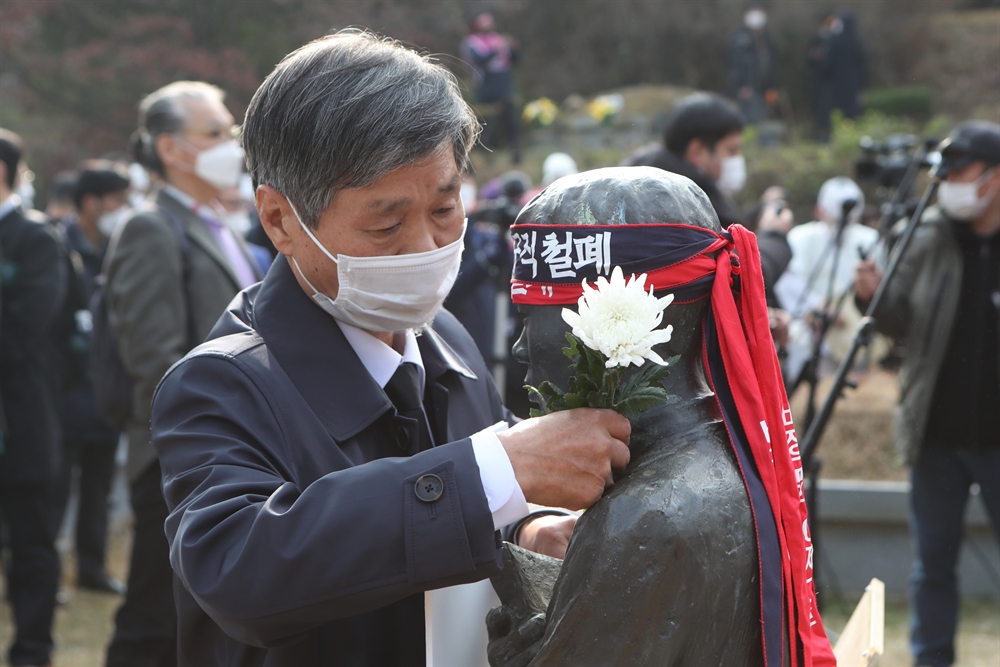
(171, 271)
(335, 449)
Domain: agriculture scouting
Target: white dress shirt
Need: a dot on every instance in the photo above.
(504, 495)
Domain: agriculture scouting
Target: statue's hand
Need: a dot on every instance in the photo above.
(525, 587)
(512, 646)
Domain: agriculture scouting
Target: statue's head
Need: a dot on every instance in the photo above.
(613, 196)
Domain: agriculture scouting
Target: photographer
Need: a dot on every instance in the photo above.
(824, 254)
(944, 302)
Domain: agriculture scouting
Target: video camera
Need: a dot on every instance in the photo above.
(886, 163)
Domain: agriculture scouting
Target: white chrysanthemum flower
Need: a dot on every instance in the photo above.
(620, 319)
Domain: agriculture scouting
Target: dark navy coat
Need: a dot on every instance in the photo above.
(295, 531)
(32, 288)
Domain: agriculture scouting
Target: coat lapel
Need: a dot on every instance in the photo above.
(314, 353)
(321, 363)
(198, 233)
(439, 359)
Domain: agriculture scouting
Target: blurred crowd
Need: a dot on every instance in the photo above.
(175, 223)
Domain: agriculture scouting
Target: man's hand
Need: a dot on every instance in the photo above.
(547, 534)
(566, 459)
(867, 279)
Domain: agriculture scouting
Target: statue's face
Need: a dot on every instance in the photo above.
(541, 343)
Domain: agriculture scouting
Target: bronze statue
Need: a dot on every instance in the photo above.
(663, 570)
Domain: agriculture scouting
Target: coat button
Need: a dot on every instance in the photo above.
(429, 488)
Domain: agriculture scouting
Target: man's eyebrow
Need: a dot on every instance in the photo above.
(452, 185)
(390, 205)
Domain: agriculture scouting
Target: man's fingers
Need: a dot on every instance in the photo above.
(618, 426)
(620, 455)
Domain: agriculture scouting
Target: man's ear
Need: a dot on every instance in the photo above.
(166, 149)
(277, 218)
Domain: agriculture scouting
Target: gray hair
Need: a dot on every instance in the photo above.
(161, 112)
(346, 109)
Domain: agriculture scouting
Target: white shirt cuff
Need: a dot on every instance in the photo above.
(503, 493)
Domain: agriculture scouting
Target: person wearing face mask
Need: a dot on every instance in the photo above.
(751, 70)
(100, 200)
(171, 270)
(821, 271)
(241, 218)
(32, 288)
(703, 140)
(944, 302)
(338, 447)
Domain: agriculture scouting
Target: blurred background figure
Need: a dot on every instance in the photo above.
(171, 271)
(837, 59)
(751, 70)
(703, 140)
(32, 288)
(241, 217)
(821, 271)
(59, 204)
(492, 57)
(141, 185)
(480, 297)
(100, 198)
(556, 166)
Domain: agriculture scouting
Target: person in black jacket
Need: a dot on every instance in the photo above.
(32, 286)
(100, 199)
(703, 140)
(492, 57)
(751, 65)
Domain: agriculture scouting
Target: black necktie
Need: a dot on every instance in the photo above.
(403, 389)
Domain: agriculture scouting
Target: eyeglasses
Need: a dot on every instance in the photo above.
(233, 132)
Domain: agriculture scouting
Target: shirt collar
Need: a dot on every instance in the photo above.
(379, 359)
(203, 211)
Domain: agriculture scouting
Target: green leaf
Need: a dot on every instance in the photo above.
(572, 351)
(641, 400)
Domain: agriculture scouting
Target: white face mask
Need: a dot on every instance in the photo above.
(106, 222)
(220, 165)
(733, 174)
(755, 19)
(389, 293)
(961, 201)
(238, 221)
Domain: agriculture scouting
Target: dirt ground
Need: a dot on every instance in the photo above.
(858, 442)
